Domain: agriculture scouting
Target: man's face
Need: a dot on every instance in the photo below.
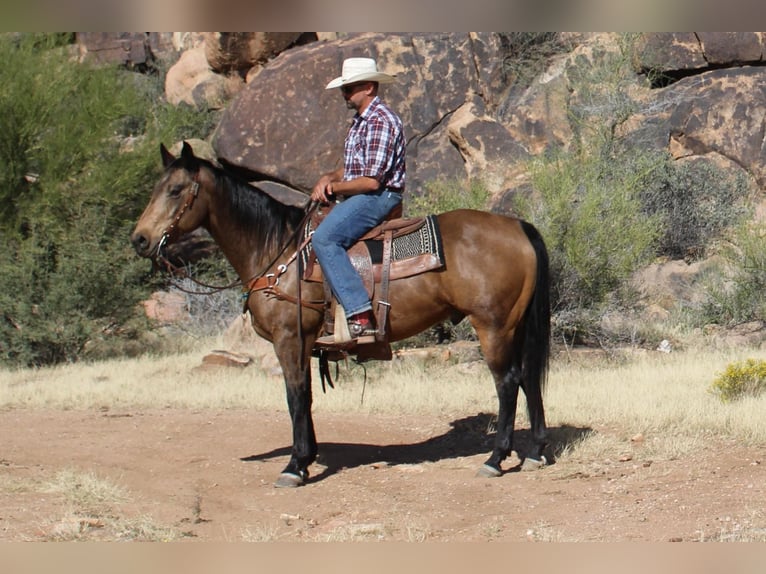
(354, 94)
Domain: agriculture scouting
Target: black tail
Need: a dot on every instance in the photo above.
(537, 322)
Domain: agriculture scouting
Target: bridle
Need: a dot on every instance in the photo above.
(260, 281)
(173, 227)
(171, 231)
(263, 281)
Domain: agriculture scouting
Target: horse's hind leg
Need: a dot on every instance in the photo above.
(535, 458)
(507, 387)
(505, 366)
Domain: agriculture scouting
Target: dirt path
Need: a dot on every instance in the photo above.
(208, 476)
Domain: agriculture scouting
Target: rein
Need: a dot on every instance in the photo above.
(270, 282)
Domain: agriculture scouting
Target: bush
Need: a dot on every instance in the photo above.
(737, 292)
(741, 379)
(586, 200)
(78, 156)
(59, 291)
(446, 195)
(697, 202)
(526, 54)
(589, 212)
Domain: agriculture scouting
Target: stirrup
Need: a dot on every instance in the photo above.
(358, 330)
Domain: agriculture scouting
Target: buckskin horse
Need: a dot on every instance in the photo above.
(495, 273)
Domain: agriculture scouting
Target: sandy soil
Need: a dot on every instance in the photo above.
(209, 476)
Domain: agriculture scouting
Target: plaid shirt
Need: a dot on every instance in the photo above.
(375, 147)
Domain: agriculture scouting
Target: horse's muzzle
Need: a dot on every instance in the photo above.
(141, 244)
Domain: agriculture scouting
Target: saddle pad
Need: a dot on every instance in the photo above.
(422, 241)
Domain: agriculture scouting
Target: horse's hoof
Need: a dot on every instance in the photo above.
(486, 471)
(289, 480)
(530, 464)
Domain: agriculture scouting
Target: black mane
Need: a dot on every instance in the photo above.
(256, 211)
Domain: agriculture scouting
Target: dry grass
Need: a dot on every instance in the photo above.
(655, 395)
(85, 492)
(652, 405)
(91, 509)
(665, 398)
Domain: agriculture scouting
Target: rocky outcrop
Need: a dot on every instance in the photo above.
(720, 112)
(463, 119)
(239, 51)
(192, 81)
(697, 95)
(286, 126)
(680, 53)
(131, 49)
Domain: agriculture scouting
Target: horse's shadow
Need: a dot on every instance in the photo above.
(468, 436)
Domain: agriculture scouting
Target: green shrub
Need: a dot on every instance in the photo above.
(736, 293)
(697, 202)
(588, 210)
(741, 379)
(78, 156)
(586, 200)
(448, 194)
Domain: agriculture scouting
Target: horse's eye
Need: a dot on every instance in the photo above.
(176, 190)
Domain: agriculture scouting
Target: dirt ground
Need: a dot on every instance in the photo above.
(208, 476)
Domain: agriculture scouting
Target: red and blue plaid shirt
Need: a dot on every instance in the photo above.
(375, 147)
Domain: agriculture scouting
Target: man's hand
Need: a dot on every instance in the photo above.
(323, 189)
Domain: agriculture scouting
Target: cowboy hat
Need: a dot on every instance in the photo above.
(359, 70)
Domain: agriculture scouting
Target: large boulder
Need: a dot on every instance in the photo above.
(240, 51)
(286, 126)
(682, 53)
(488, 149)
(192, 81)
(721, 112)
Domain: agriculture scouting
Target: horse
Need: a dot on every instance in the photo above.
(496, 274)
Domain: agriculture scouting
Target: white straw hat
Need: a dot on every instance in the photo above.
(359, 70)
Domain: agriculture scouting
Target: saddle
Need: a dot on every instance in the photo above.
(397, 248)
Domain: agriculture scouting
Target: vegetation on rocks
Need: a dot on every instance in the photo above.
(607, 208)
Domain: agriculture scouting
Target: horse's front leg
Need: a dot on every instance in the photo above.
(296, 366)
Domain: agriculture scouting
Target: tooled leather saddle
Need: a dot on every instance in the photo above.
(397, 248)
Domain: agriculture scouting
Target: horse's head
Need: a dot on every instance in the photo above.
(175, 207)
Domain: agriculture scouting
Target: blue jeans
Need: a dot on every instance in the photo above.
(340, 229)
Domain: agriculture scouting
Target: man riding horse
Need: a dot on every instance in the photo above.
(370, 184)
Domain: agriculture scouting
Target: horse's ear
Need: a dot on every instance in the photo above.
(167, 157)
(187, 152)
